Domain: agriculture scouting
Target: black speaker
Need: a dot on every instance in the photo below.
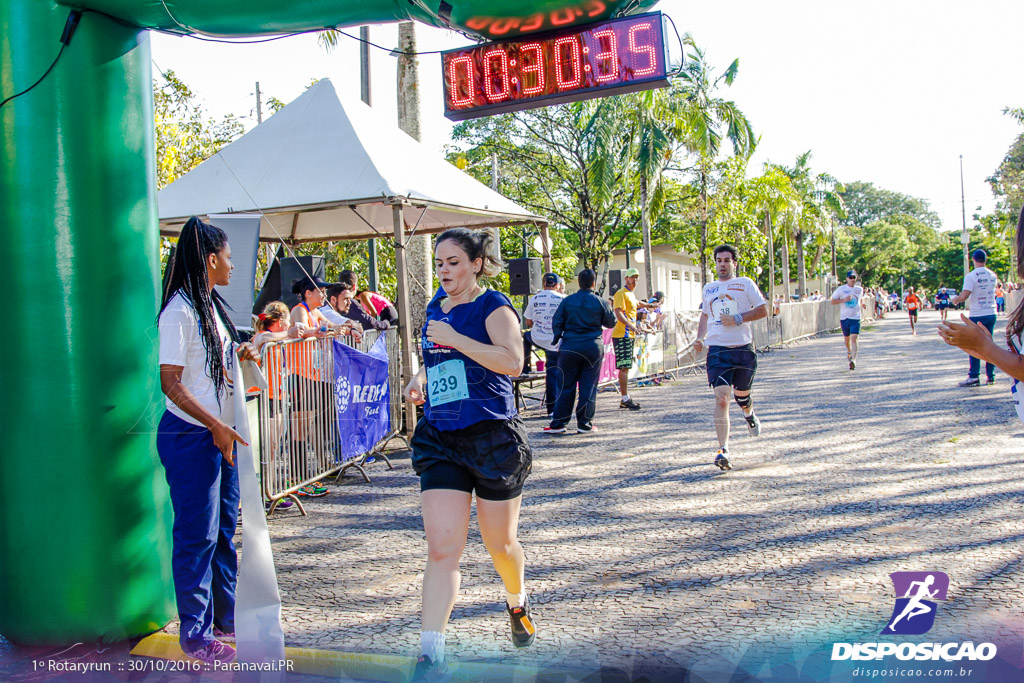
(616, 281)
(277, 285)
(525, 276)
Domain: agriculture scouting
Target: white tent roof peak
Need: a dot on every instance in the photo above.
(326, 168)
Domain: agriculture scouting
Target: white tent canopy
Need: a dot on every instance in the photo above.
(322, 169)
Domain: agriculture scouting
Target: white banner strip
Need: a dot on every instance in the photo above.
(258, 632)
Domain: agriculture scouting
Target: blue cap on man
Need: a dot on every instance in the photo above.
(979, 255)
(552, 279)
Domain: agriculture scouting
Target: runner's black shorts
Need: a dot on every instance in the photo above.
(492, 457)
(623, 347)
(733, 366)
(913, 313)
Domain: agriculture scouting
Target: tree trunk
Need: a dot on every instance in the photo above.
(645, 226)
(816, 262)
(801, 267)
(703, 229)
(785, 264)
(419, 255)
(771, 261)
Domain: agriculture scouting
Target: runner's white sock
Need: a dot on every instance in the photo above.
(625, 397)
(515, 599)
(432, 645)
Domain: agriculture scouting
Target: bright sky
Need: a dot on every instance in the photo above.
(886, 91)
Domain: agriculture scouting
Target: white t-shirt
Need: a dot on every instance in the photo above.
(729, 297)
(332, 315)
(541, 310)
(181, 343)
(851, 309)
(982, 284)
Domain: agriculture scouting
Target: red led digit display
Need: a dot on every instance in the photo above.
(606, 58)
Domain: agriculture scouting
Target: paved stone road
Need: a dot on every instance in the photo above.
(644, 558)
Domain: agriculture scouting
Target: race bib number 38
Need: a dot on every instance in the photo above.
(723, 307)
(446, 382)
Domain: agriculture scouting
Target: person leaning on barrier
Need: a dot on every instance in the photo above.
(656, 316)
(973, 336)
(340, 297)
(577, 326)
(307, 318)
(196, 438)
(377, 305)
(273, 324)
(470, 438)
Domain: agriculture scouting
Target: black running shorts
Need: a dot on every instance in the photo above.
(733, 366)
(623, 347)
(491, 457)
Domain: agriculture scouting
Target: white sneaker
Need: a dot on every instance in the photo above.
(753, 424)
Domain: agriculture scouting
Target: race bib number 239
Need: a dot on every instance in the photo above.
(446, 382)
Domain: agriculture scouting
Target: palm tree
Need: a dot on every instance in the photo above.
(820, 200)
(705, 115)
(773, 196)
(643, 130)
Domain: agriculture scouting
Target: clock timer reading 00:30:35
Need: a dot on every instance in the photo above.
(607, 58)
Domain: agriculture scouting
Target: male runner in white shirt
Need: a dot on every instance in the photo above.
(729, 305)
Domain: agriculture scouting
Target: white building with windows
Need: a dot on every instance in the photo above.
(675, 273)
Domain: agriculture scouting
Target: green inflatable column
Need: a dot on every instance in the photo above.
(85, 527)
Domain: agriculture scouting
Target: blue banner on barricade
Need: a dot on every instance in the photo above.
(361, 397)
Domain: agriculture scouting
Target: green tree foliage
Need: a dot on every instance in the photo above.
(595, 168)
(185, 137)
(773, 200)
(866, 203)
(709, 120)
(546, 158)
(1007, 182)
(946, 261)
(902, 246)
(819, 205)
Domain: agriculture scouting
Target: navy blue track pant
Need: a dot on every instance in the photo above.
(204, 496)
(579, 366)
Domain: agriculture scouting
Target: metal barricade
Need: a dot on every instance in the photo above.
(298, 422)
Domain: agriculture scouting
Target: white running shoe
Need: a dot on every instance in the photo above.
(721, 461)
(753, 424)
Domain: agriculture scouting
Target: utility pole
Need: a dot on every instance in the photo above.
(364, 93)
(415, 251)
(418, 252)
(364, 64)
(259, 120)
(964, 239)
(835, 271)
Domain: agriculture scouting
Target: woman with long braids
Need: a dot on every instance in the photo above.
(470, 438)
(196, 438)
(975, 339)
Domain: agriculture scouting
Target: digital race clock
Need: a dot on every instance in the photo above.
(606, 58)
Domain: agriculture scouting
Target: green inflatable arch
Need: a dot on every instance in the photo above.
(85, 532)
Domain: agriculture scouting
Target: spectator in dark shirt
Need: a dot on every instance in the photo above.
(341, 298)
(578, 323)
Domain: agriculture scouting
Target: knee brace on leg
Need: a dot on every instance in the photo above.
(744, 402)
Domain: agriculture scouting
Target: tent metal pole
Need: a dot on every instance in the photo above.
(546, 251)
(404, 328)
